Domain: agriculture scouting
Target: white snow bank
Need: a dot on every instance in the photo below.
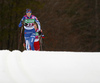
(49, 67)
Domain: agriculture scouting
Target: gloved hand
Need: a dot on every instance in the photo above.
(25, 24)
(20, 25)
(42, 35)
(39, 32)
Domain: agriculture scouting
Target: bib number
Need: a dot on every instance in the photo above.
(29, 22)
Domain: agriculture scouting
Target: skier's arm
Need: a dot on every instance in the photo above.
(21, 22)
(38, 23)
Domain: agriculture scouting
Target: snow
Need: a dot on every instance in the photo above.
(49, 67)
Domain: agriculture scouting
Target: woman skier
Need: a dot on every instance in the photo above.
(29, 30)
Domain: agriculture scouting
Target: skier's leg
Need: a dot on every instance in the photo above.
(27, 38)
(37, 46)
(32, 38)
(27, 43)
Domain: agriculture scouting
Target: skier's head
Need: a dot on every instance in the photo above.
(28, 12)
(35, 26)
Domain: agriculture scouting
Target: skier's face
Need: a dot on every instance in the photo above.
(28, 14)
(35, 26)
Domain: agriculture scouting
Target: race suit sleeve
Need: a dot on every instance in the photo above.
(20, 24)
(38, 23)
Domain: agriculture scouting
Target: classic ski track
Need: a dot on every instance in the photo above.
(19, 70)
(5, 67)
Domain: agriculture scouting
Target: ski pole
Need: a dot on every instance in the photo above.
(41, 43)
(20, 37)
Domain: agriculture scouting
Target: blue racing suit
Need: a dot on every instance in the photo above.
(29, 31)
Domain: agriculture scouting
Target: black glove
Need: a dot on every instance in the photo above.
(39, 32)
(25, 24)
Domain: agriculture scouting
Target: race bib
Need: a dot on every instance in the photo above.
(29, 20)
(37, 33)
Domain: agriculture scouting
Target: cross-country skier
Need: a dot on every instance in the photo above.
(36, 42)
(39, 34)
(29, 31)
(37, 37)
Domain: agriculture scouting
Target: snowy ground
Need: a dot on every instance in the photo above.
(49, 67)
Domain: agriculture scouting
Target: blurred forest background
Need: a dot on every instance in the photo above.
(68, 25)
